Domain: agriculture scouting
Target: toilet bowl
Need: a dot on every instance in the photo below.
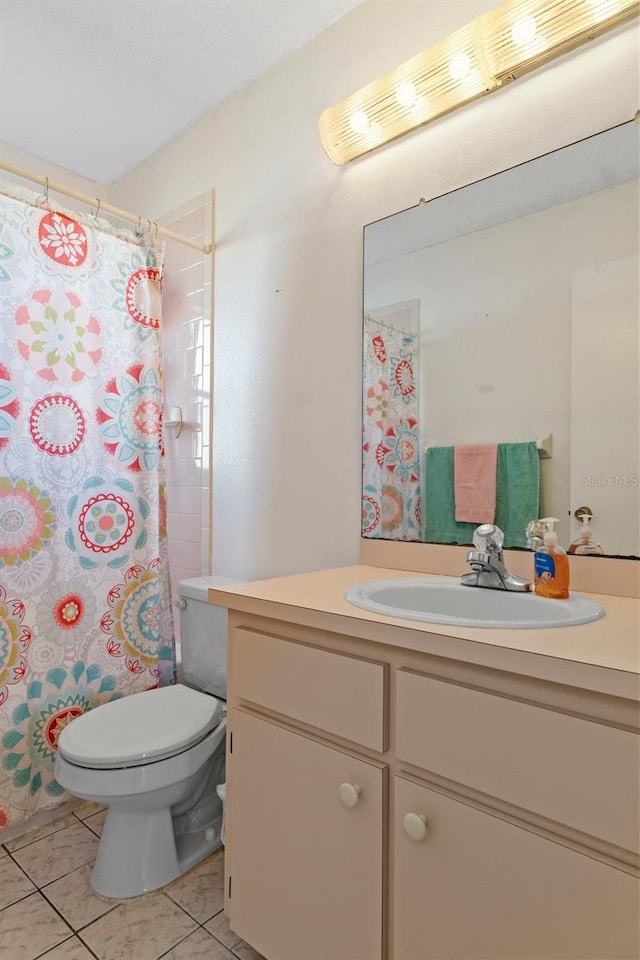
(155, 758)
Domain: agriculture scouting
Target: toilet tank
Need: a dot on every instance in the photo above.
(203, 636)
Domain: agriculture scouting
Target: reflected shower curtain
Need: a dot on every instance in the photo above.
(85, 613)
(391, 503)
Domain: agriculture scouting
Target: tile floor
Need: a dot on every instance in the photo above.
(48, 910)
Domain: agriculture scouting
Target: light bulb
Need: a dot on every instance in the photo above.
(523, 31)
(358, 121)
(459, 66)
(421, 106)
(406, 94)
(604, 8)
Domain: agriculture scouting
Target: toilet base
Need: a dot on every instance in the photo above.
(139, 852)
(192, 847)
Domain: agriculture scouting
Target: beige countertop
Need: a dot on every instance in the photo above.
(602, 656)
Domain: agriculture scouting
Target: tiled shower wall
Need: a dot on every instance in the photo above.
(187, 377)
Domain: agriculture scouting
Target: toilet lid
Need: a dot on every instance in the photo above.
(141, 727)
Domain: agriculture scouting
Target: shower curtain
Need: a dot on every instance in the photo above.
(391, 502)
(85, 613)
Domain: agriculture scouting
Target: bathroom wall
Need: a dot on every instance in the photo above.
(288, 290)
(44, 168)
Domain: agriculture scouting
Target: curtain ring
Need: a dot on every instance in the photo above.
(95, 215)
(156, 223)
(139, 227)
(43, 199)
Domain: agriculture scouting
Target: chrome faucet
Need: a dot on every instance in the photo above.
(487, 563)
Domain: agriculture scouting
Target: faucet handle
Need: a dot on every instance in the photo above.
(487, 538)
(534, 532)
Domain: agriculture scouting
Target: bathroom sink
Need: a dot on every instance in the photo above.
(446, 600)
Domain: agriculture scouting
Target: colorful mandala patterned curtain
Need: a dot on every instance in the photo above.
(85, 614)
(391, 503)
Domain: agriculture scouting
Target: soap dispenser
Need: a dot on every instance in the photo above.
(551, 565)
(584, 544)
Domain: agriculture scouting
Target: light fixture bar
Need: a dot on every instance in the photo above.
(499, 46)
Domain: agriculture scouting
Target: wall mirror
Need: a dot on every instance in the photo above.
(506, 313)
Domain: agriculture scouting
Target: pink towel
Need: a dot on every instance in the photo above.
(474, 480)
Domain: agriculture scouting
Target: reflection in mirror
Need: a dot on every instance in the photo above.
(501, 354)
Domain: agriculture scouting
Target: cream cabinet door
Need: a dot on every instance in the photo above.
(469, 885)
(305, 845)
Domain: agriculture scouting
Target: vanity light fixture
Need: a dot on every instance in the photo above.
(497, 47)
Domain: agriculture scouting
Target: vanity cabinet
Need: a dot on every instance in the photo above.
(306, 866)
(472, 885)
(306, 862)
(388, 804)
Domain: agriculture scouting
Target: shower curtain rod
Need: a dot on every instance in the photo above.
(96, 202)
(389, 326)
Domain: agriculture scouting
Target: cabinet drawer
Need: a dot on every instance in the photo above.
(573, 771)
(343, 695)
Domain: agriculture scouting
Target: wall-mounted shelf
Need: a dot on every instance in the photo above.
(174, 420)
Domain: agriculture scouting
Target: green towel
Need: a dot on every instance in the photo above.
(518, 490)
(440, 524)
(518, 495)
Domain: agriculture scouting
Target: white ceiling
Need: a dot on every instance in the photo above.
(96, 86)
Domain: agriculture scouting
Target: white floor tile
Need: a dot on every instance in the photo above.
(58, 854)
(73, 897)
(201, 891)
(14, 885)
(39, 832)
(30, 927)
(87, 810)
(219, 927)
(244, 951)
(73, 949)
(143, 929)
(199, 946)
(96, 821)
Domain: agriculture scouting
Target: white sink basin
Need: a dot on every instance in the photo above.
(446, 600)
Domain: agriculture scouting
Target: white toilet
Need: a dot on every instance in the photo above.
(155, 759)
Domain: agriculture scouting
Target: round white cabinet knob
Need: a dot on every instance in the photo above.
(415, 826)
(349, 794)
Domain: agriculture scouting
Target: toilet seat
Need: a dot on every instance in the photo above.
(140, 728)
